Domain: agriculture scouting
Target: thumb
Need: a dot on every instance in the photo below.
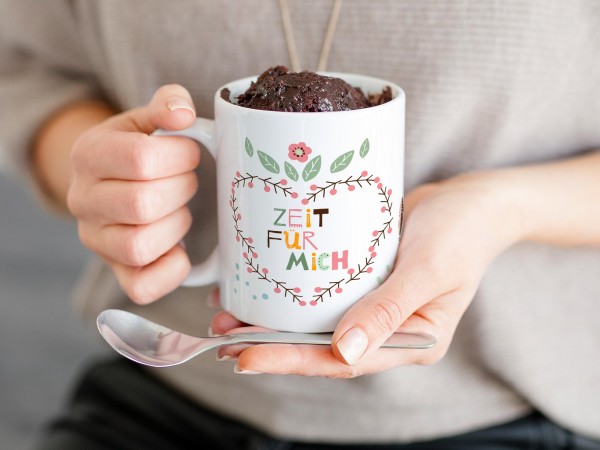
(372, 320)
(171, 108)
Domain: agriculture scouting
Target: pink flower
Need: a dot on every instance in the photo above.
(299, 151)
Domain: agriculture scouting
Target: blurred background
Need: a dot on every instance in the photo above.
(43, 344)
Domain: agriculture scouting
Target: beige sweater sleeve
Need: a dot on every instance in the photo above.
(43, 67)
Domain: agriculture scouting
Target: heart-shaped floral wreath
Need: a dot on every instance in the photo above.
(300, 152)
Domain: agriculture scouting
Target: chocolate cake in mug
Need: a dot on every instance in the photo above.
(277, 89)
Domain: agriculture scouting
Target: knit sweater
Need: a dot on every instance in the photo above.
(489, 84)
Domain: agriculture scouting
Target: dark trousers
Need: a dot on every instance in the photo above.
(119, 406)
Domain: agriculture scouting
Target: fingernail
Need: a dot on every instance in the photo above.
(211, 333)
(227, 358)
(352, 345)
(237, 369)
(212, 301)
(179, 103)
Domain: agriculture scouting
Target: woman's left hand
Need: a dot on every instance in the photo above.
(453, 230)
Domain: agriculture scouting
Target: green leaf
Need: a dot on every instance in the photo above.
(268, 163)
(312, 168)
(364, 148)
(291, 171)
(249, 148)
(341, 162)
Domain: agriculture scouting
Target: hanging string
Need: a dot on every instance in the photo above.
(284, 10)
(331, 26)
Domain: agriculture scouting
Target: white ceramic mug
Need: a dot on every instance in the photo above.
(309, 207)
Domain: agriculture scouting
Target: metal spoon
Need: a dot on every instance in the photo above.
(151, 344)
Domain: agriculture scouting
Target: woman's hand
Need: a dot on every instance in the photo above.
(452, 231)
(129, 191)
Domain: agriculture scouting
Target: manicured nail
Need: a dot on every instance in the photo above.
(227, 358)
(237, 369)
(179, 103)
(352, 345)
(210, 332)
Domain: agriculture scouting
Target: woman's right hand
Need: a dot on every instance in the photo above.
(129, 191)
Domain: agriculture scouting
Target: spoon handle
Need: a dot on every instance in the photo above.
(397, 340)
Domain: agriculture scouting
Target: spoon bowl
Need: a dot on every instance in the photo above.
(151, 344)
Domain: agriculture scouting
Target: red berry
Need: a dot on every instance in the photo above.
(249, 269)
(302, 303)
(373, 254)
(238, 174)
(313, 303)
(255, 255)
(283, 182)
(369, 269)
(389, 230)
(294, 195)
(350, 271)
(333, 192)
(267, 188)
(376, 179)
(375, 233)
(351, 187)
(265, 270)
(383, 209)
(318, 289)
(277, 290)
(250, 240)
(313, 187)
(305, 201)
(251, 184)
(297, 290)
(371, 248)
(338, 290)
(364, 173)
(379, 186)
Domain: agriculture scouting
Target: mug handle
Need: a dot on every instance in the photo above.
(207, 272)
